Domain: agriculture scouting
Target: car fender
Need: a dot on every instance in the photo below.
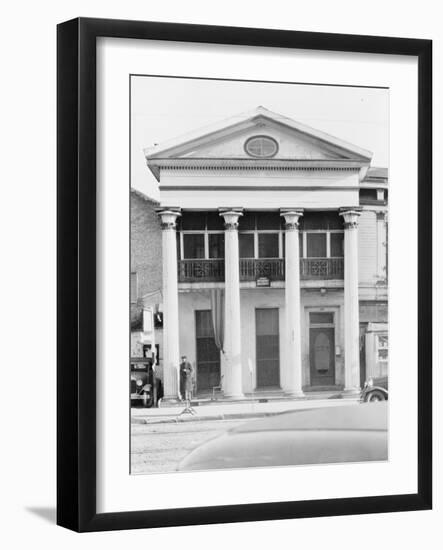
(378, 388)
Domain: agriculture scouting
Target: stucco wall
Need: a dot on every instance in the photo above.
(263, 298)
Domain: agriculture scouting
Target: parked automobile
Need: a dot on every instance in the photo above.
(375, 389)
(346, 433)
(143, 389)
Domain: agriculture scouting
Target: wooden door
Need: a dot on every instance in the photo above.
(208, 355)
(267, 348)
(322, 356)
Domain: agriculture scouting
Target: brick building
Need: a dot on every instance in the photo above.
(146, 277)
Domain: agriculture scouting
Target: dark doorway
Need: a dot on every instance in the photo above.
(267, 348)
(322, 349)
(363, 328)
(208, 355)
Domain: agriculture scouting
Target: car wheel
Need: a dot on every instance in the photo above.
(147, 400)
(375, 395)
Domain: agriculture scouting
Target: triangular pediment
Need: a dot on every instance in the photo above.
(260, 135)
(289, 145)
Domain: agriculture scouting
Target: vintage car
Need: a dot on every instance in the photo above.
(326, 435)
(375, 389)
(143, 389)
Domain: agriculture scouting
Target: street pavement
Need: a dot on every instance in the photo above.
(158, 448)
(161, 437)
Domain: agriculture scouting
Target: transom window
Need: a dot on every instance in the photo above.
(261, 146)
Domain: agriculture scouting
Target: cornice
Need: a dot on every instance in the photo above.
(258, 164)
(254, 165)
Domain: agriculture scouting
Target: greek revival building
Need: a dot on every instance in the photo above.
(274, 258)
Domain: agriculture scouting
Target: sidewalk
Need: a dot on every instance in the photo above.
(216, 410)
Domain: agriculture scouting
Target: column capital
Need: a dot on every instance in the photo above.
(168, 216)
(381, 215)
(350, 216)
(292, 217)
(231, 216)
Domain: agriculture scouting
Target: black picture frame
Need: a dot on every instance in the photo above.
(76, 264)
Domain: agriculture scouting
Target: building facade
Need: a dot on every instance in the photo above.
(274, 258)
(146, 280)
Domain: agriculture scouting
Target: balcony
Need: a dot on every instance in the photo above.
(321, 268)
(193, 271)
(252, 269)
(201, 270)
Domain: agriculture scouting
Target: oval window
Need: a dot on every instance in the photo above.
(261, 146)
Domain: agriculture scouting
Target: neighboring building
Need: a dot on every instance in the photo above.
(274, 257)
(146, 279)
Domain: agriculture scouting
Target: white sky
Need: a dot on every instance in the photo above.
(163, 108)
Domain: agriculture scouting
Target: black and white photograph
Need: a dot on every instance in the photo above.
(259, 332)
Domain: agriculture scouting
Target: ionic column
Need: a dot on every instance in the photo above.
(292, 363)
(171, 362)
(351, 321)
(232, 381)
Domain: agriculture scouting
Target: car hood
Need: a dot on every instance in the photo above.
(316, 436)
(346, 417)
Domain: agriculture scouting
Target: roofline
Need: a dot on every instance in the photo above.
(372, 179)
(236, 120)
(144, 197)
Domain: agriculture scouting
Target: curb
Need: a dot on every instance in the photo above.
(183, 419)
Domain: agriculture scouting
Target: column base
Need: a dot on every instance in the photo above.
(233, 396)
(299, 394)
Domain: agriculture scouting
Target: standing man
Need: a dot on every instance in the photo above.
(185, 378)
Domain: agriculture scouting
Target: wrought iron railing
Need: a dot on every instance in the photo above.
(271, 268)
(252, 269)
(321, 268)
(191, 271)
